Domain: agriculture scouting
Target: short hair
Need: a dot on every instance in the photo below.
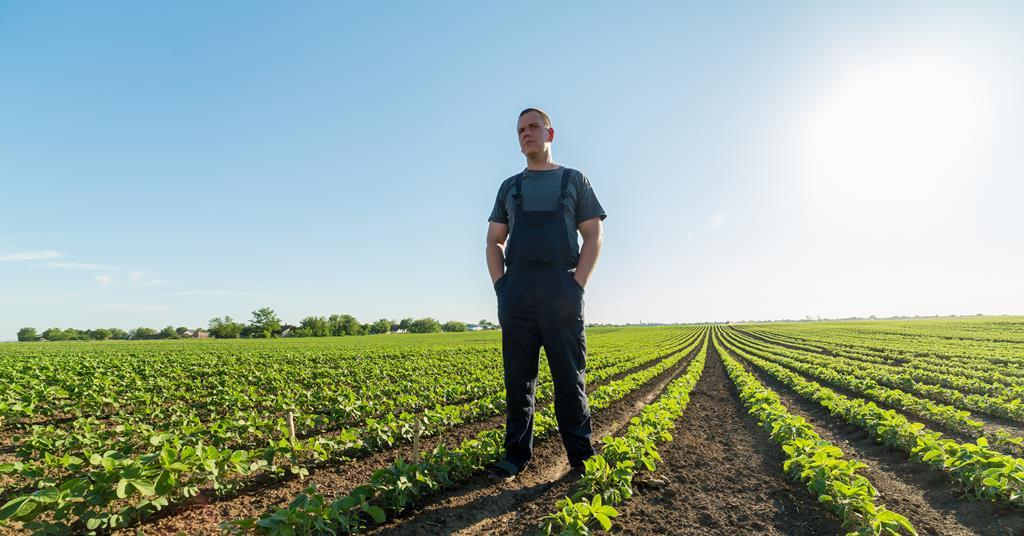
(543, 115)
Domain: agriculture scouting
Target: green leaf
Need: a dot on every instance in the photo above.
(147, 488)
(122, 488)
(890, 517)
(376, 513)
(606, 523)
(73, 483)
(46, 495)
(164, 483)
(16, 507)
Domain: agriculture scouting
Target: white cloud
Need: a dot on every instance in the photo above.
(79, 266)
(129, 308)
(689, 236)
(140, 277)
(717, 220)
(217, 293)
(147, 279)
(104, 279)
(30, 255)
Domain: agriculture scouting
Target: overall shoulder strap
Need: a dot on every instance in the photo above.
(517, 190)
(564, 198)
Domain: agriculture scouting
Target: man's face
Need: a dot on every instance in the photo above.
(534, 137)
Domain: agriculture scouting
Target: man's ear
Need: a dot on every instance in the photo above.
(551, 134)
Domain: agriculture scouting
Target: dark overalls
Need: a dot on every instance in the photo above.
(540, 303)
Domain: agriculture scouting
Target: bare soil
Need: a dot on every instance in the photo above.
(723, 475)
(204, 515)
(992, 423)
(480, 507)
(925, 496)
(766, 340)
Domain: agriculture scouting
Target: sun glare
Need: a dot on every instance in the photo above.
(897, 132)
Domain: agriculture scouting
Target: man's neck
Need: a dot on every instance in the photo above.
(541, 163)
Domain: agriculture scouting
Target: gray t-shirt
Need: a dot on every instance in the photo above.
(540, 192)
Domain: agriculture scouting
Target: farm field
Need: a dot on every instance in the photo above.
(881, 427)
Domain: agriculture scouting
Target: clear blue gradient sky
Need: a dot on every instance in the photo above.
(165, 163)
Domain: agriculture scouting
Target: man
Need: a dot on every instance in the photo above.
(540, 295)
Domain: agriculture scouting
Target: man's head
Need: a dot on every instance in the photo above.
(535, 132)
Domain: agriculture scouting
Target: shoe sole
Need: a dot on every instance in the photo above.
(500, 478)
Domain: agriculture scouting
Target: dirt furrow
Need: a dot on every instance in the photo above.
(923, 495)
(789, 346)
(722, 475)
(988, 427)
(479, 507)
(990, 423)
(203, 516)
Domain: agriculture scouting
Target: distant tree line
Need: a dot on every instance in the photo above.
(100, 334)
(264, 324)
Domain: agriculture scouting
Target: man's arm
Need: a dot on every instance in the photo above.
(592, 232)
(497, 233)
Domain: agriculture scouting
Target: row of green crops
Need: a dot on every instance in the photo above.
(992, 344)
(334, 380)
(819, 464)
(608, 476)
(93, 474)
(981, 472)
(102, 436)
(995, 392)
(393, 489)
(44, 446)
(891, 389)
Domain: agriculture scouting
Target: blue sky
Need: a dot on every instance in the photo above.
(165, 163)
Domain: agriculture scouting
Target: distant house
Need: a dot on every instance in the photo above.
(286, 330)
(201, 334)
(188, 334)
(474, 327)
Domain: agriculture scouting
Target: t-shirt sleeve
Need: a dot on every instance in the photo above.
(587, 205)
(498, 213)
